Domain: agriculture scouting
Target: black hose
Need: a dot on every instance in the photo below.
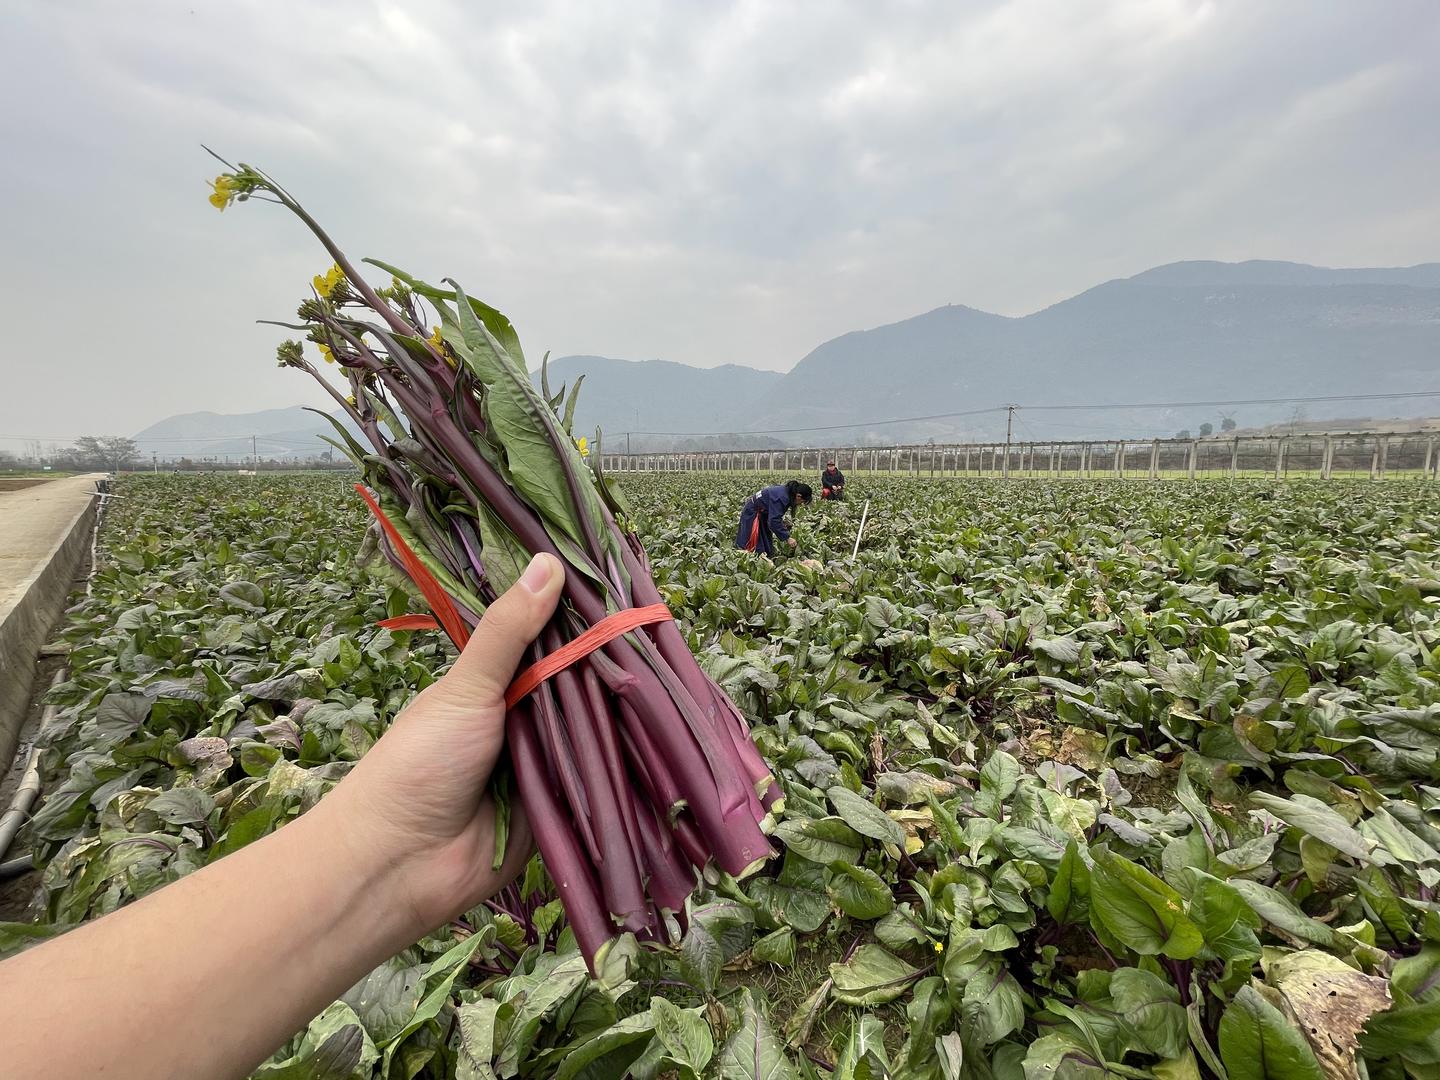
(13, 868)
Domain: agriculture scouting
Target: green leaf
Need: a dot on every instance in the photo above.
(1063, 1056)
(1184, 1067)
(475, 1024)
(753, 1052)
(568, 421)
(1139, 909)
(334, 1046)
(776, 947)
(992, 1006)
(1280, 911)
(439, 977)
(1418, 976)
(536, 997)
(945, 823)
(927, 1012)
(872, 976)
(1064, 650)
(1151, 1010)
(684, 1035)
(498, 325)
(701, 958)
(607, 1054)
(1312, 816)
(244, 596)
(16, 937)
(998, 780)
(182, 805)
(1258, 1043)
(858, 892)
(386, 999)
(864, 817)
(538, 455)
(901, 929)
(1411, 1032)
(863, 1055)
(1290, 681)
(821, 840)
(1069, 899)
(1225, 919)
(804, 909)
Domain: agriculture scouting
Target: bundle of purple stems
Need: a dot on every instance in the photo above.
(635, 769)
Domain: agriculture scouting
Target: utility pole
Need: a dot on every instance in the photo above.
(254, 455)
(627, 444)
(1009, 425)
(154, 461)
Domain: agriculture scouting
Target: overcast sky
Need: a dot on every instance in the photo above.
(701, 182)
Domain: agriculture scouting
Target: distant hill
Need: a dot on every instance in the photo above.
(1188, 331)
(657, 395)
(279, 433)
(1207, 273)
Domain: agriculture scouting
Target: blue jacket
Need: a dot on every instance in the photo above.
(775, 500)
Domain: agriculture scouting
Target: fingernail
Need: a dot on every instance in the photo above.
(537, 574)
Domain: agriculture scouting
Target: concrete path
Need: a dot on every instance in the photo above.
(44, 539)
(32, 521)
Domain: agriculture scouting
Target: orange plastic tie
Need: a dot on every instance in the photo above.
(435, 595)
(410, 622)
(603, 632)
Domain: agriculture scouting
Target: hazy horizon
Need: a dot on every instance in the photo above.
(705, 185)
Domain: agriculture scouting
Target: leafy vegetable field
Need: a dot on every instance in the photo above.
(1083, 779)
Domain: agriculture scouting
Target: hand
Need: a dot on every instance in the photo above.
(418, 800)
(791, 541)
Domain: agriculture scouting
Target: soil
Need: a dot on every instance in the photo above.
(16, 483)
(15, 894)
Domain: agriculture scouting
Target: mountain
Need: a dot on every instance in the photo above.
(1207, 273)
(1193, 331)
(622, 396)
(278, 433)
(1188, 331)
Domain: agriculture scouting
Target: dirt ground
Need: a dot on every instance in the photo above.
(16, 483)
(15, 895)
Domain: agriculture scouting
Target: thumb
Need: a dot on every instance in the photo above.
(487, 666)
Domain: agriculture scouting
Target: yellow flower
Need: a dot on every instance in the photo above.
(224, 191)
(583, 445)
(325, 283)
(939, 946)
(326, 353)
(351, 400)
(435, 339)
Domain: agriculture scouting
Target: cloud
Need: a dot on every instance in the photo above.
(700, 182)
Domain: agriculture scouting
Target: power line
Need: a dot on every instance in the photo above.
(281, 438)
(831, 427)
(277, 438)
(1050, 408)
(1238, 401)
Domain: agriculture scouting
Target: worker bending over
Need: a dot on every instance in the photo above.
(832, 482)
(763, 517)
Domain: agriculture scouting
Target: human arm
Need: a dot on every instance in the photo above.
(209, 975)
